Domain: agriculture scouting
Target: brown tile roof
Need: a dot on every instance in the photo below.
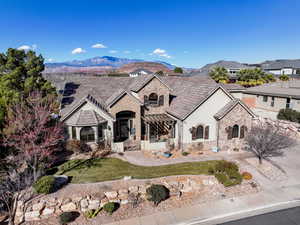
(88, 117)
(188, 92)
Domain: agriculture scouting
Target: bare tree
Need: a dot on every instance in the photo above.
(15, 188)
(33, 132)
(266, 140)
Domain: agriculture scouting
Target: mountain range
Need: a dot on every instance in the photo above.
(97, 64)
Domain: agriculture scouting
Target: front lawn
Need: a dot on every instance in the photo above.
(97, 170)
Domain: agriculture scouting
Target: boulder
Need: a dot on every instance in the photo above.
(31, 216)
(111, 194)
(142, 189)
(38, 206)
(68, 207)
(133, 189)
(48, 211)
(84, 203)
(94, 204)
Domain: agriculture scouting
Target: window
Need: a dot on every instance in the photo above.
(265, 98)
(87, 134)
(243, 130)
(161, 100)
(197, 132)
(206, 132)
(100, 132)
(153, 99)
(235, 131)
(73, 132)
(273, 101)
(288, 103)
(146, 102)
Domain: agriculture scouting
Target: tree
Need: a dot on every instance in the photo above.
(178, 70)
(253, 77)
(14, 189)
(160, 73)
(219, 74)
(33, 132)
(20, 74)
(284, 77)
(267, 141)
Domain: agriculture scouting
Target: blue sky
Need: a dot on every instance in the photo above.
(187, 33)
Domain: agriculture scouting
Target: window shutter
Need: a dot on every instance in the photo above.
(206, 133)
(161, 100)
(146, 100)
(194, 133)
(229, 131)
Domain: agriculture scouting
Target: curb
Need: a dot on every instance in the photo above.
(243, 213)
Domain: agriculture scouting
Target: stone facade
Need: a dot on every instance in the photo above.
(128, 103)
(155, 86)
(240, 116)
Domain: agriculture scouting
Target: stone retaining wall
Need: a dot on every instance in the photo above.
(51, 206)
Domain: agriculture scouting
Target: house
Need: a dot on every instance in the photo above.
(266, 100)
(282, 66)
(139, 72)
(153, 112)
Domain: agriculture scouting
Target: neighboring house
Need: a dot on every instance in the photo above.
(282, 66)
(139, 72)
(151, 112)
(232, 67)
(266, 100)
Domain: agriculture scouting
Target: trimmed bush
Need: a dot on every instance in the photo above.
(68, 217)
(45, 185)
(111, 207)
(185, 153)
(247, 176)
(157, 193)
(289, 114)
(227, 173)
(77, 146)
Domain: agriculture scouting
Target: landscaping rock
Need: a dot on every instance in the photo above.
(68, 207)
(142, 189)
(111, 194)
(94, 204)
(103, 202)
(84, 203)
(133, 189)
(38, 206)
(31, 216)
(48, 211)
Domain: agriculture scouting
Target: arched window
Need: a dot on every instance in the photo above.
(199, 132)
(153, 99)
(243, 131)
(87, 134)
(206, 132)
(235, 131)
(146, 100)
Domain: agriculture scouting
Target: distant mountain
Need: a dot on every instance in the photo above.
(96, 64)
(151, 66)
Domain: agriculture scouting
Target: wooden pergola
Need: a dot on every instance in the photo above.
(162, 122)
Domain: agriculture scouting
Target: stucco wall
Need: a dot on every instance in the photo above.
(155, 86)
(205, 115)
(239, 116)
(128, 103)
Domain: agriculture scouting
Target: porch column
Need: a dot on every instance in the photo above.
(70, 132)
(78, 132)
(95, 128)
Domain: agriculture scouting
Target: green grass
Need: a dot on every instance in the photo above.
(98, 170)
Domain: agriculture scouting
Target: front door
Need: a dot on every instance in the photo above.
(124, 129)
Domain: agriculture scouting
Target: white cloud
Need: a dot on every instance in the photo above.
(24, 47)
(127, 52)
(98, 45)
(161, 53)
(78, 51)
(50, 60)
(113, 51)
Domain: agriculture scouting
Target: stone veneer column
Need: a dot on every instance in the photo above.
(78, 132)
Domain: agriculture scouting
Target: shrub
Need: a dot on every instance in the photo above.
(289, 114)
(284, 77)
(111, 207)
(92, 213)
(227, 173)
(185, 153)
(224, 166)
(157, 193)
(77, 146)
(247, 175)
(45, 185)
(68, 217)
